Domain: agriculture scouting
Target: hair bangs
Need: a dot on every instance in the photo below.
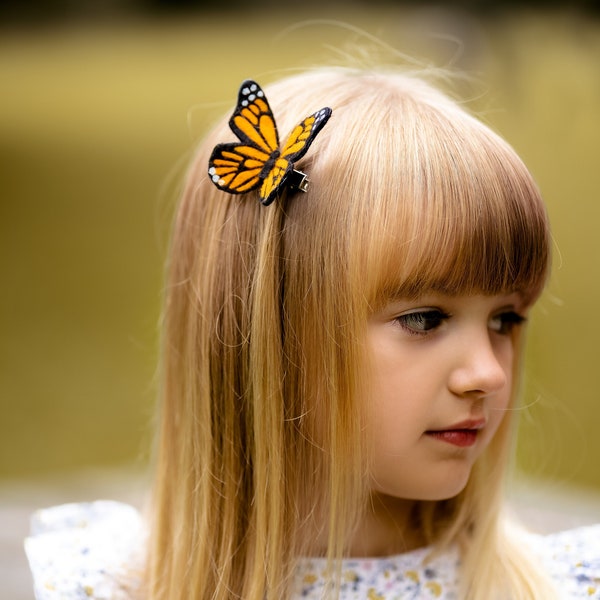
(476, 253)
(462, 214)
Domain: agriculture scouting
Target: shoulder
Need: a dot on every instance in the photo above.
(572, 558)
(91, 551)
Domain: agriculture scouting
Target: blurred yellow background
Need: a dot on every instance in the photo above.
(96, 125)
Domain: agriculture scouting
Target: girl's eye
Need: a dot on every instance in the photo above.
(504, 323)
(421, 321)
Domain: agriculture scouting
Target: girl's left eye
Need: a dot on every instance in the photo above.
(505, 322)
(421, 321)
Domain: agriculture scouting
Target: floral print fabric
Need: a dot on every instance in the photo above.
(94, 551)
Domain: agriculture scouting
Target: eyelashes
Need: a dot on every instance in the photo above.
(423, 321)
(505, 322)
(420, 322)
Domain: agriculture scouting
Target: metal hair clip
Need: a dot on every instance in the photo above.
(297, 180)
(256, 160)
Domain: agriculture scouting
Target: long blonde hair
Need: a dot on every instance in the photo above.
(260, 425)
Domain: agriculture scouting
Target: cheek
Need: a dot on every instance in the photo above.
(498, 409)
(398, 401)
(400, 408)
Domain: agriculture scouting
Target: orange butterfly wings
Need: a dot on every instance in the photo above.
(256, 161)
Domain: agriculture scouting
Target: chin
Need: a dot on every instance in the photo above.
(437, 485)
(426, 493)
(446, 495)
(444, 490)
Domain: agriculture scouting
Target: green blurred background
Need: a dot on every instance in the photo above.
(100, 109)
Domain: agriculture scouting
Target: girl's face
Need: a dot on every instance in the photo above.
(442, 380)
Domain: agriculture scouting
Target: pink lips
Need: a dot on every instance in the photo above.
(463, 434)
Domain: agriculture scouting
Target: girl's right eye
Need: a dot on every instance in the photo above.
(421, 321)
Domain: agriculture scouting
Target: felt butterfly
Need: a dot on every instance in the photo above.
(256, 161)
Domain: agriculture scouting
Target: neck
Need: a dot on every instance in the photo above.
(387, 528)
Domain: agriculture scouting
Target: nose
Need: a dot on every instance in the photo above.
(482, 368)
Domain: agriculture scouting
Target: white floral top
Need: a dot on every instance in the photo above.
(87, 551)
(95, 552)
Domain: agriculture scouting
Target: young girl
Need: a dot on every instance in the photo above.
(340, 366)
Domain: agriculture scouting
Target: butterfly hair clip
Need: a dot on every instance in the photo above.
(256, 161)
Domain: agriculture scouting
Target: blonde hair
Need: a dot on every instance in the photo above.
(260, 432)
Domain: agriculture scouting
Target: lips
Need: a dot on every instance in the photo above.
(463, 434)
